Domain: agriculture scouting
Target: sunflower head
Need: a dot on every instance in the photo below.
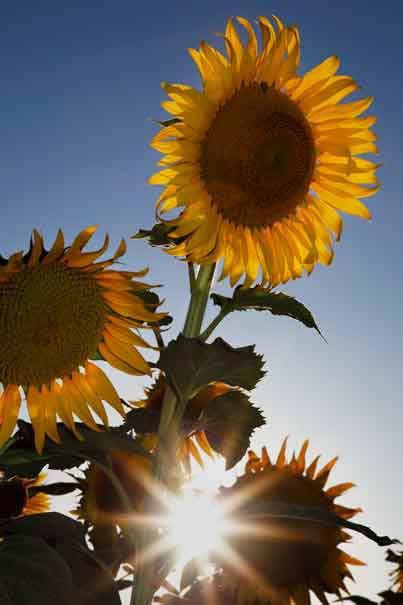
(397, 573)
(59, 309)
(16, 500)
(282, 560)
(196, 440)
(262, 159)
(100, 505)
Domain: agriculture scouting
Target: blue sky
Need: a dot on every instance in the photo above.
(80, 82)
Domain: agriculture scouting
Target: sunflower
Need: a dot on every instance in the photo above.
(262, 160)
(279, 559)
(197, 439)
(397, 573)
(15, 498)
(58, 309)
(100, 505)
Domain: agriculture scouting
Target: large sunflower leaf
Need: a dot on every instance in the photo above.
(93, 583)
(229, 422)
(33, 573)
(263, 299)
(358, 600)
(190, 364)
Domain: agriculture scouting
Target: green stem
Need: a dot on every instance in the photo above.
(145, 573)
(217, 320)
(192, 276)
(169, 431)
(198, 301)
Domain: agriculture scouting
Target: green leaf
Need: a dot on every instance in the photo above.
(229, 422)
(71, 452)
(33, 573)
(93, 583)
(286, 510)
(190, 364)
(54, 489)
(263, 299)
(358, 600)
(389, 597)
(21, 461)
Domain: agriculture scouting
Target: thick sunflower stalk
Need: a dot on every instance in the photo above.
(257, 165)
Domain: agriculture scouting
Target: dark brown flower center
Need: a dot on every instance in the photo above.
(51, 321)
(13, 498)
(257, 157)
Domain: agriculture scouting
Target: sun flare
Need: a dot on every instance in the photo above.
(196, 525)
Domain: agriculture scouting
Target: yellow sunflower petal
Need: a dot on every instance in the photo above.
(103, 387)
(241, 186)
(10, 402)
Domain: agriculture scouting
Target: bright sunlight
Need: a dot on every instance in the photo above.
(197, 524)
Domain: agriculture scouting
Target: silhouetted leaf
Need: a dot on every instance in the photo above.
(263, 299)
(33, 573)
(393, 557)
(21, 457)
(286, 510)
(391, 598)
(93, 583)
(190, 364)
(229, 422)
(358, 600)
(54, 489)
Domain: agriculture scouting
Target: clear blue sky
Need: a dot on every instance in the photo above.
(79, 82)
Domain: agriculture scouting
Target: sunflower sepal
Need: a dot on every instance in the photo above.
(259, 298)
(158, 235)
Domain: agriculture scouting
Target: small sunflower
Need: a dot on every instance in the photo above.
(397, 573)
(197, 439)
(15, 498)
(59, 309)
(282, 560)
(262, 160)
(100, 505)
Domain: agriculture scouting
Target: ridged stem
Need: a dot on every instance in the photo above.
(198, 301)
